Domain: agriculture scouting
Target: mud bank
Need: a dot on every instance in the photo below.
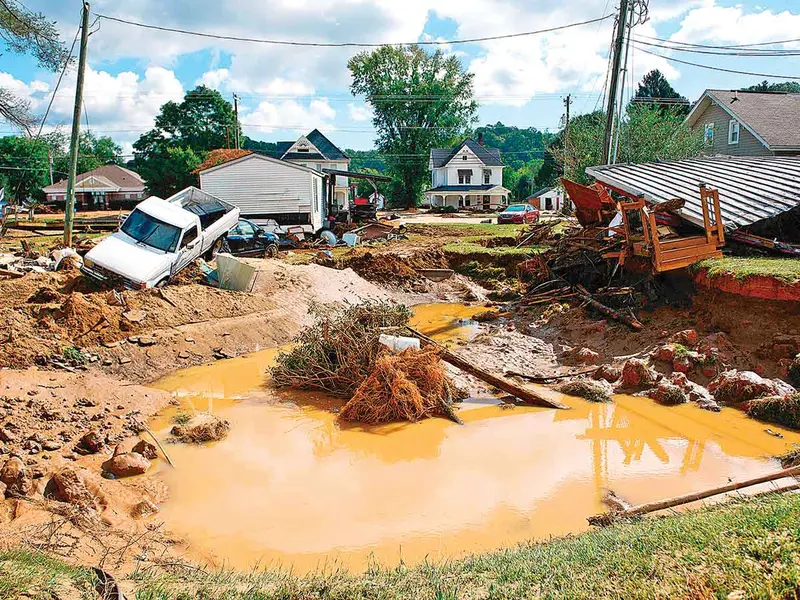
(292, 485)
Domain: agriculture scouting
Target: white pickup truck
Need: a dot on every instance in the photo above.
(161, 237)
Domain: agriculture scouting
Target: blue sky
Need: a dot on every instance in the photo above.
(287, 91)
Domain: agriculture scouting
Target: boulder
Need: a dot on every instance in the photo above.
(609, 373)
(695, 392)
(740, 386)
(687, 337)
(146, 449)
(203, 427)
(92, 442)
(16, 477)
(593, 391)
(585, 356)
(126, 464)
(668, 394)
(72, 488)
(636, 373)
(665, 353)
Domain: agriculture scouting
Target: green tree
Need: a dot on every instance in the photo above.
(166, 155)
(654, 88)
(647, 134)
(93, 152)
(26, 32)
(517, 146)
(268, 148)
(24, 163)
(366, 159)
(765, 86)
(420, 100)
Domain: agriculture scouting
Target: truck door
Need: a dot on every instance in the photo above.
(188, 250)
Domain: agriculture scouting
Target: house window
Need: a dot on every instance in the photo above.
(464, 157)
(733, 131)
(487, 176)
(708, 134)
(302, 149)
(465, 176)
(319, 167)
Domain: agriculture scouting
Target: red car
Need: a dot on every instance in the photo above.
(519, 214)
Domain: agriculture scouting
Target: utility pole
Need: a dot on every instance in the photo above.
(236, 114)
(76, 129)
(619, 38)
(567, 103)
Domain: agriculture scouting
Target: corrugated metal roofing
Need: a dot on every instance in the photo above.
(750, 188)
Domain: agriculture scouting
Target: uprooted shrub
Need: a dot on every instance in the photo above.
(201, 428)
(593, 391)
(408, 386)
(782, 410)
(338, 351)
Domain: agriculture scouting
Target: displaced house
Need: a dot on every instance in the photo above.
(758, 197)
(467, 176)
(267, 188)
(748, 123)
(109, 186)
(549, 199)
(316, 151)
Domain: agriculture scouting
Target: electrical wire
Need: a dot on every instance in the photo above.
(710, 68)
(351, 44)
(765, 53)
(728, 47)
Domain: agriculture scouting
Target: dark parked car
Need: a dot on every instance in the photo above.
(518, 213)
(248, 239)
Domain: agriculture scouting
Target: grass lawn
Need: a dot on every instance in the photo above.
(464, 229)
(470, 247)
(744, 549)
(787, 269)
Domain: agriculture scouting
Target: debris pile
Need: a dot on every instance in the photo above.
(408, 386)
(341, 354)
(201, 428)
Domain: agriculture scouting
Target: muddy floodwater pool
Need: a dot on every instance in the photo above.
(293, 486)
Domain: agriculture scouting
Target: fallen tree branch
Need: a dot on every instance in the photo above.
(524, 394)
(545, 379)
(643, 509)
(631, 322)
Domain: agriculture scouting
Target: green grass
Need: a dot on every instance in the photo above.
(787, 269)
(475, 249)
(464, 229)
(747, 545)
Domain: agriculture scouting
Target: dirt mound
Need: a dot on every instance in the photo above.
(201, 428)
(408, 386)
(386, 268)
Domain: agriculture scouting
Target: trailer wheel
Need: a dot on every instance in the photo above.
(221, 245)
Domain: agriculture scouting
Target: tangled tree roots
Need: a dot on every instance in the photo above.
(336, 354)
(408, 386)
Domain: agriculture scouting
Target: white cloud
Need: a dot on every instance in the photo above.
(269, 116)
(712, 23)
(359, 112)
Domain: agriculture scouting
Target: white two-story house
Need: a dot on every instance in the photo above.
(316, 151)
(467, 176)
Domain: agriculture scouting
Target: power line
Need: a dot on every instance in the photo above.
(728, 47)
(351, 44)
(710, 68)
(719, 52)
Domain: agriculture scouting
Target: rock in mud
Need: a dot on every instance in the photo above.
(682, 363)
(142, 509)
(609, 373)
(92, 442)
(740, 386)
(695, 392)
(71, 488)
(687, 337)
(668, 394)
(146, 449)
(594, 391)
(636, 373)
(665, 353)
(584, 356)
(201, 428)
(126, 464)
(16, 477)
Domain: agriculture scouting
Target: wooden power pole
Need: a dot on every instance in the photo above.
(236, 115)
(76, 129)
(619, 38)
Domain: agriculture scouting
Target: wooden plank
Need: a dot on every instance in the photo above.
(687, 498)
(524, 394)
(684, 242)
(685, 262)
(687, 252)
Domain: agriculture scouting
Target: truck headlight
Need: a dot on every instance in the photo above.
(88, 263)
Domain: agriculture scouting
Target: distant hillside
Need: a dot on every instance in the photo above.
(365, 159)
(517, 146)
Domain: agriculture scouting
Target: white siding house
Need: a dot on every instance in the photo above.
(467, 176)
(268, 188)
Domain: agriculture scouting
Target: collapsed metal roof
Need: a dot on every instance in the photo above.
(751, 189)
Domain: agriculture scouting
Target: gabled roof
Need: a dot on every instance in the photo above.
(118, 177)
(773, 118)
(540, 192)
(750, 188)
(327, 149)
(488, 156)
(257, 156)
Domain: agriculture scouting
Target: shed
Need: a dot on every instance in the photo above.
(267, 188)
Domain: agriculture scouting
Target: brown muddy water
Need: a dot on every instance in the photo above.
(291, 486)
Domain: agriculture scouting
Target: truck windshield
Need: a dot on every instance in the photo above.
(152, 232)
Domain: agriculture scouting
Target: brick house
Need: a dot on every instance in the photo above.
(106, 187)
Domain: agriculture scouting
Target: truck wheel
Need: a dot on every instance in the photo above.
(271, 251)
(221, 245)
(162, 283)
